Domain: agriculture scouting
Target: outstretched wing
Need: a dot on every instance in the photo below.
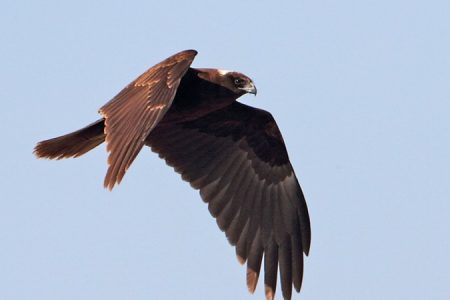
(135, 111)
(236, 157)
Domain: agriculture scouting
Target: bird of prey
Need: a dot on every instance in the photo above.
(232, 153)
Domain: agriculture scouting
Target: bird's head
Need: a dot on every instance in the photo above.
(236, 82)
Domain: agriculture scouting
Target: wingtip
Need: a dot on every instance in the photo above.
(109, 184)
(191, 51)
(240, 259)
(270, 294)
(252, 280)
(306, 251)
(106, 185)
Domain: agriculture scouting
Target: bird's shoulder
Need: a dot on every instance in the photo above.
(255, 129)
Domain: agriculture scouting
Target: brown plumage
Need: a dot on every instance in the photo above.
(232, 153)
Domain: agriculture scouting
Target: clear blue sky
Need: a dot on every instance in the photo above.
(360, 90)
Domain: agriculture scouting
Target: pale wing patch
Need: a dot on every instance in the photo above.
(223, 72)
(155, 107)
(147, 83)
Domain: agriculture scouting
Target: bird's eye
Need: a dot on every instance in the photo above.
(238, 81)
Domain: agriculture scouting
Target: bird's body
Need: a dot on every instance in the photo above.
(189, 104)
(233, 153)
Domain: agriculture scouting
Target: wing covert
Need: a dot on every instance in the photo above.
(137, 109)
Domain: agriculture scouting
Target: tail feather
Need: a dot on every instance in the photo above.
(73, 144)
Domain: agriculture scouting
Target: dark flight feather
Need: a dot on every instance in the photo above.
(232, 153)
(244, 166)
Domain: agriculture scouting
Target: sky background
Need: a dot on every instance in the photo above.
(360, 91)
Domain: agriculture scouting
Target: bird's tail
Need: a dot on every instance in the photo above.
(73, 144)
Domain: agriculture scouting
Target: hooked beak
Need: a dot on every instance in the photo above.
(250, 88)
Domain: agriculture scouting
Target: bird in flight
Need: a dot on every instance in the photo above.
(232, 153)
